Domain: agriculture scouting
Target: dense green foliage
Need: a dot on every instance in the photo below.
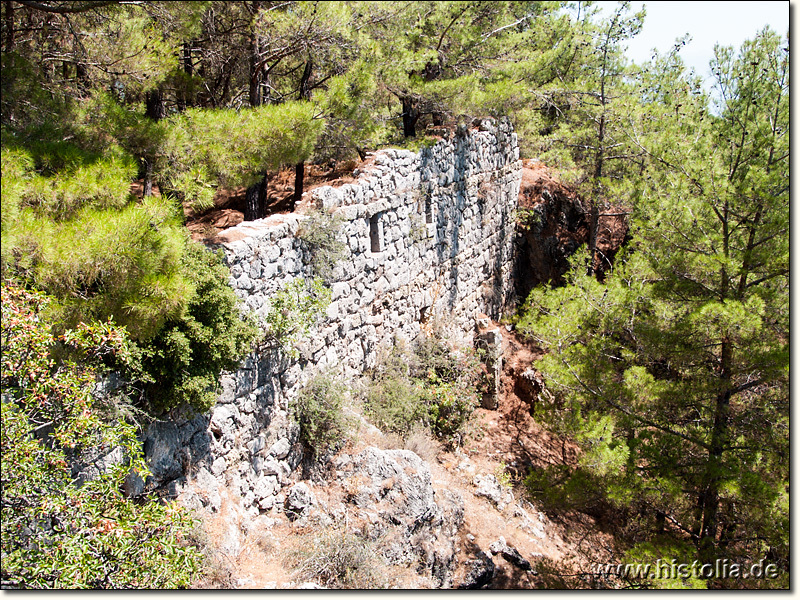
(206, 148)
(432, 387)
(182, 363)
(116, 259)
(294, 309)
(98, 261)
(319, 412)
(59, 529)
(673, 373)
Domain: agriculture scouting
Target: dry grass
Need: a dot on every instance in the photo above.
(424, 445)
(338, 559)
(218, 570)
(353, 485)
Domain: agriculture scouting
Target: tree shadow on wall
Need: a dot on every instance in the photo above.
(178, 448)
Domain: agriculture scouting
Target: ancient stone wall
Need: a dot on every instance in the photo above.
(429, 238)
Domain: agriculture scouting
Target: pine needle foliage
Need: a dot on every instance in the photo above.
(224, 147)
(673, 372)
(109, 258)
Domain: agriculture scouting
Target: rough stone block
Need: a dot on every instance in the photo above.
(280, 448)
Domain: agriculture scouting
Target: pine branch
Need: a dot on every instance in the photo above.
(69, 8)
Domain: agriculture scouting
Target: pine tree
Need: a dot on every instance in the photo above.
(589, 109)
(673, 373)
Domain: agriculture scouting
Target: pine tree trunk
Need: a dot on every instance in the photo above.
(299, 174)
(82, 76)
(186, 97)
(155, 110)
(10, 37)
(594, 215)
(410, 117)
(147, 186)
(256, 200)
(712, 477)
(300, 168)
(255, 56)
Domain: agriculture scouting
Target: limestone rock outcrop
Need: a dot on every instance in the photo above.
(392, 489)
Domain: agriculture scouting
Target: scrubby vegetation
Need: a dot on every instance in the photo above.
(339, 560)
(183, 361)
(319, 232)
(430, 386)
(324, 427)
(65, 455)
(103, 256)
(294, 310)
(668, 366)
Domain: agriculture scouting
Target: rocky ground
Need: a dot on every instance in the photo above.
(415, 516)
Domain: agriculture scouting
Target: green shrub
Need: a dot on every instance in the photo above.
(319, 233)
(182, 363)
(131, 264)
(391, 398)
(432, 386)
(319, 411)
(450, 407)
(55, 533)
(293, 311)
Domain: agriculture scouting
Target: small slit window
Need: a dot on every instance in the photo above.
(428, 209)
(376, 233)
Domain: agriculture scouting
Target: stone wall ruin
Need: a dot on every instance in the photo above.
(429, 237)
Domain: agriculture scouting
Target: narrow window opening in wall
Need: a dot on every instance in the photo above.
(376, 233)
(428, 208)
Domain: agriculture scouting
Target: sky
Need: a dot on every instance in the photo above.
(729, 23)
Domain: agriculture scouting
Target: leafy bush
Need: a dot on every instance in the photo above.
(56, 532)
(392, 397)
(319, 412)
(432, 386)
(294, 310)
(182, 363)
